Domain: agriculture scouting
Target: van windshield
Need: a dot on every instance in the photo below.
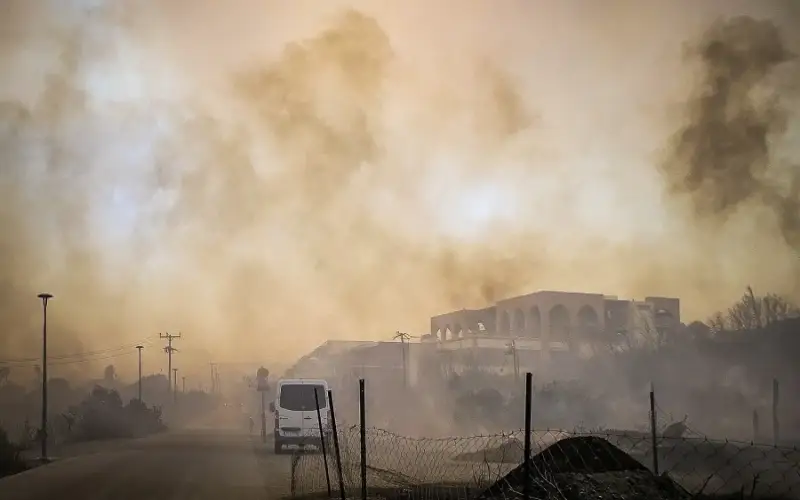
(301, 397)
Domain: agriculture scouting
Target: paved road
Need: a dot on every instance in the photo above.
(196, 465)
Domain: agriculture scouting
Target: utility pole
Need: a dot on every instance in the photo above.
(139, 348)
(511, 348)
(404, 337)
(169, 350)
(175, 391)
(183, 387)
(213, 381)
(45, 297)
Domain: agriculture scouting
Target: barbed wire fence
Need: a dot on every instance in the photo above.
(563, 465)
(462, 467)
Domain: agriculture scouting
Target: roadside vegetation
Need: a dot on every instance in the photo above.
(11, 461)
(100, 415)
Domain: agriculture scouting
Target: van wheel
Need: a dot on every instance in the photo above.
(278, 447)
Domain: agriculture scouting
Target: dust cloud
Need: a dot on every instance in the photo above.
(264, 177)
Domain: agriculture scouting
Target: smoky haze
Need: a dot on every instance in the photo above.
(264, 177)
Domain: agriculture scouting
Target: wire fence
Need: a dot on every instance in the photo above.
(613, 464)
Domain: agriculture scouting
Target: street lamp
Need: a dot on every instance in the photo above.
(45, 297)
(139, 348)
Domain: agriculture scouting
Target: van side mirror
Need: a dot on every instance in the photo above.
(272, 407)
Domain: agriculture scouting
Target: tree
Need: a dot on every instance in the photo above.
(110, 374)
(11, 460)
(102, 415)
(697, 330)
(753, 312)
(101, 396)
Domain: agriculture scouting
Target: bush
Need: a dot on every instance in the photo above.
(103, 416)
(10, 460)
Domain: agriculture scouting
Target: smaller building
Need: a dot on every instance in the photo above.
(326, 361)
(343, 362)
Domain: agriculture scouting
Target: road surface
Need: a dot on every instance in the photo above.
(196, 465)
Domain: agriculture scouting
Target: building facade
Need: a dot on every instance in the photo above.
(548, 329)
(549, 325)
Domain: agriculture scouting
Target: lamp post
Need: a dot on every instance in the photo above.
(139, 348)
(45, 297)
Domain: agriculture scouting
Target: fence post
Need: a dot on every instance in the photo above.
(755, 427)
(336, 446)
(263, 417)
(526, 466)
(776, 427)
(293, 474)
(363, 421)
(322, 442)
(653, 431)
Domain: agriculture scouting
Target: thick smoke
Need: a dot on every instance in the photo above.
(726, 157)
(42, 195)
(265, 185)
(330, 216)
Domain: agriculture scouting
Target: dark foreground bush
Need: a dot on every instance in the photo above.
(103, 416)
(10, 459)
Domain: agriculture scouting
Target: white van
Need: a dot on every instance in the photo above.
(295, 409)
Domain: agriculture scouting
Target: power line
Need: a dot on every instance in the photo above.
(148, 340)
(89, 360)
(74, 361)
(78, 356)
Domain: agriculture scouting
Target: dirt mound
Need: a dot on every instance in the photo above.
(627, 485)
(622, 485)
(510, 452)
(583, 468)
(585, 454)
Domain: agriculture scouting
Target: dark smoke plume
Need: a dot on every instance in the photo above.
(724, 157)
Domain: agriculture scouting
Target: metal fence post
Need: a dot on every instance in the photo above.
(322, 442)
(293, 474)
(653, 431)
(263, 417)
(776, 427)
(526, 467)
(756, 425)
(363, 421)
(336, 446)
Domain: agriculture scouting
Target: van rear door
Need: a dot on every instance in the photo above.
(297, 403)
